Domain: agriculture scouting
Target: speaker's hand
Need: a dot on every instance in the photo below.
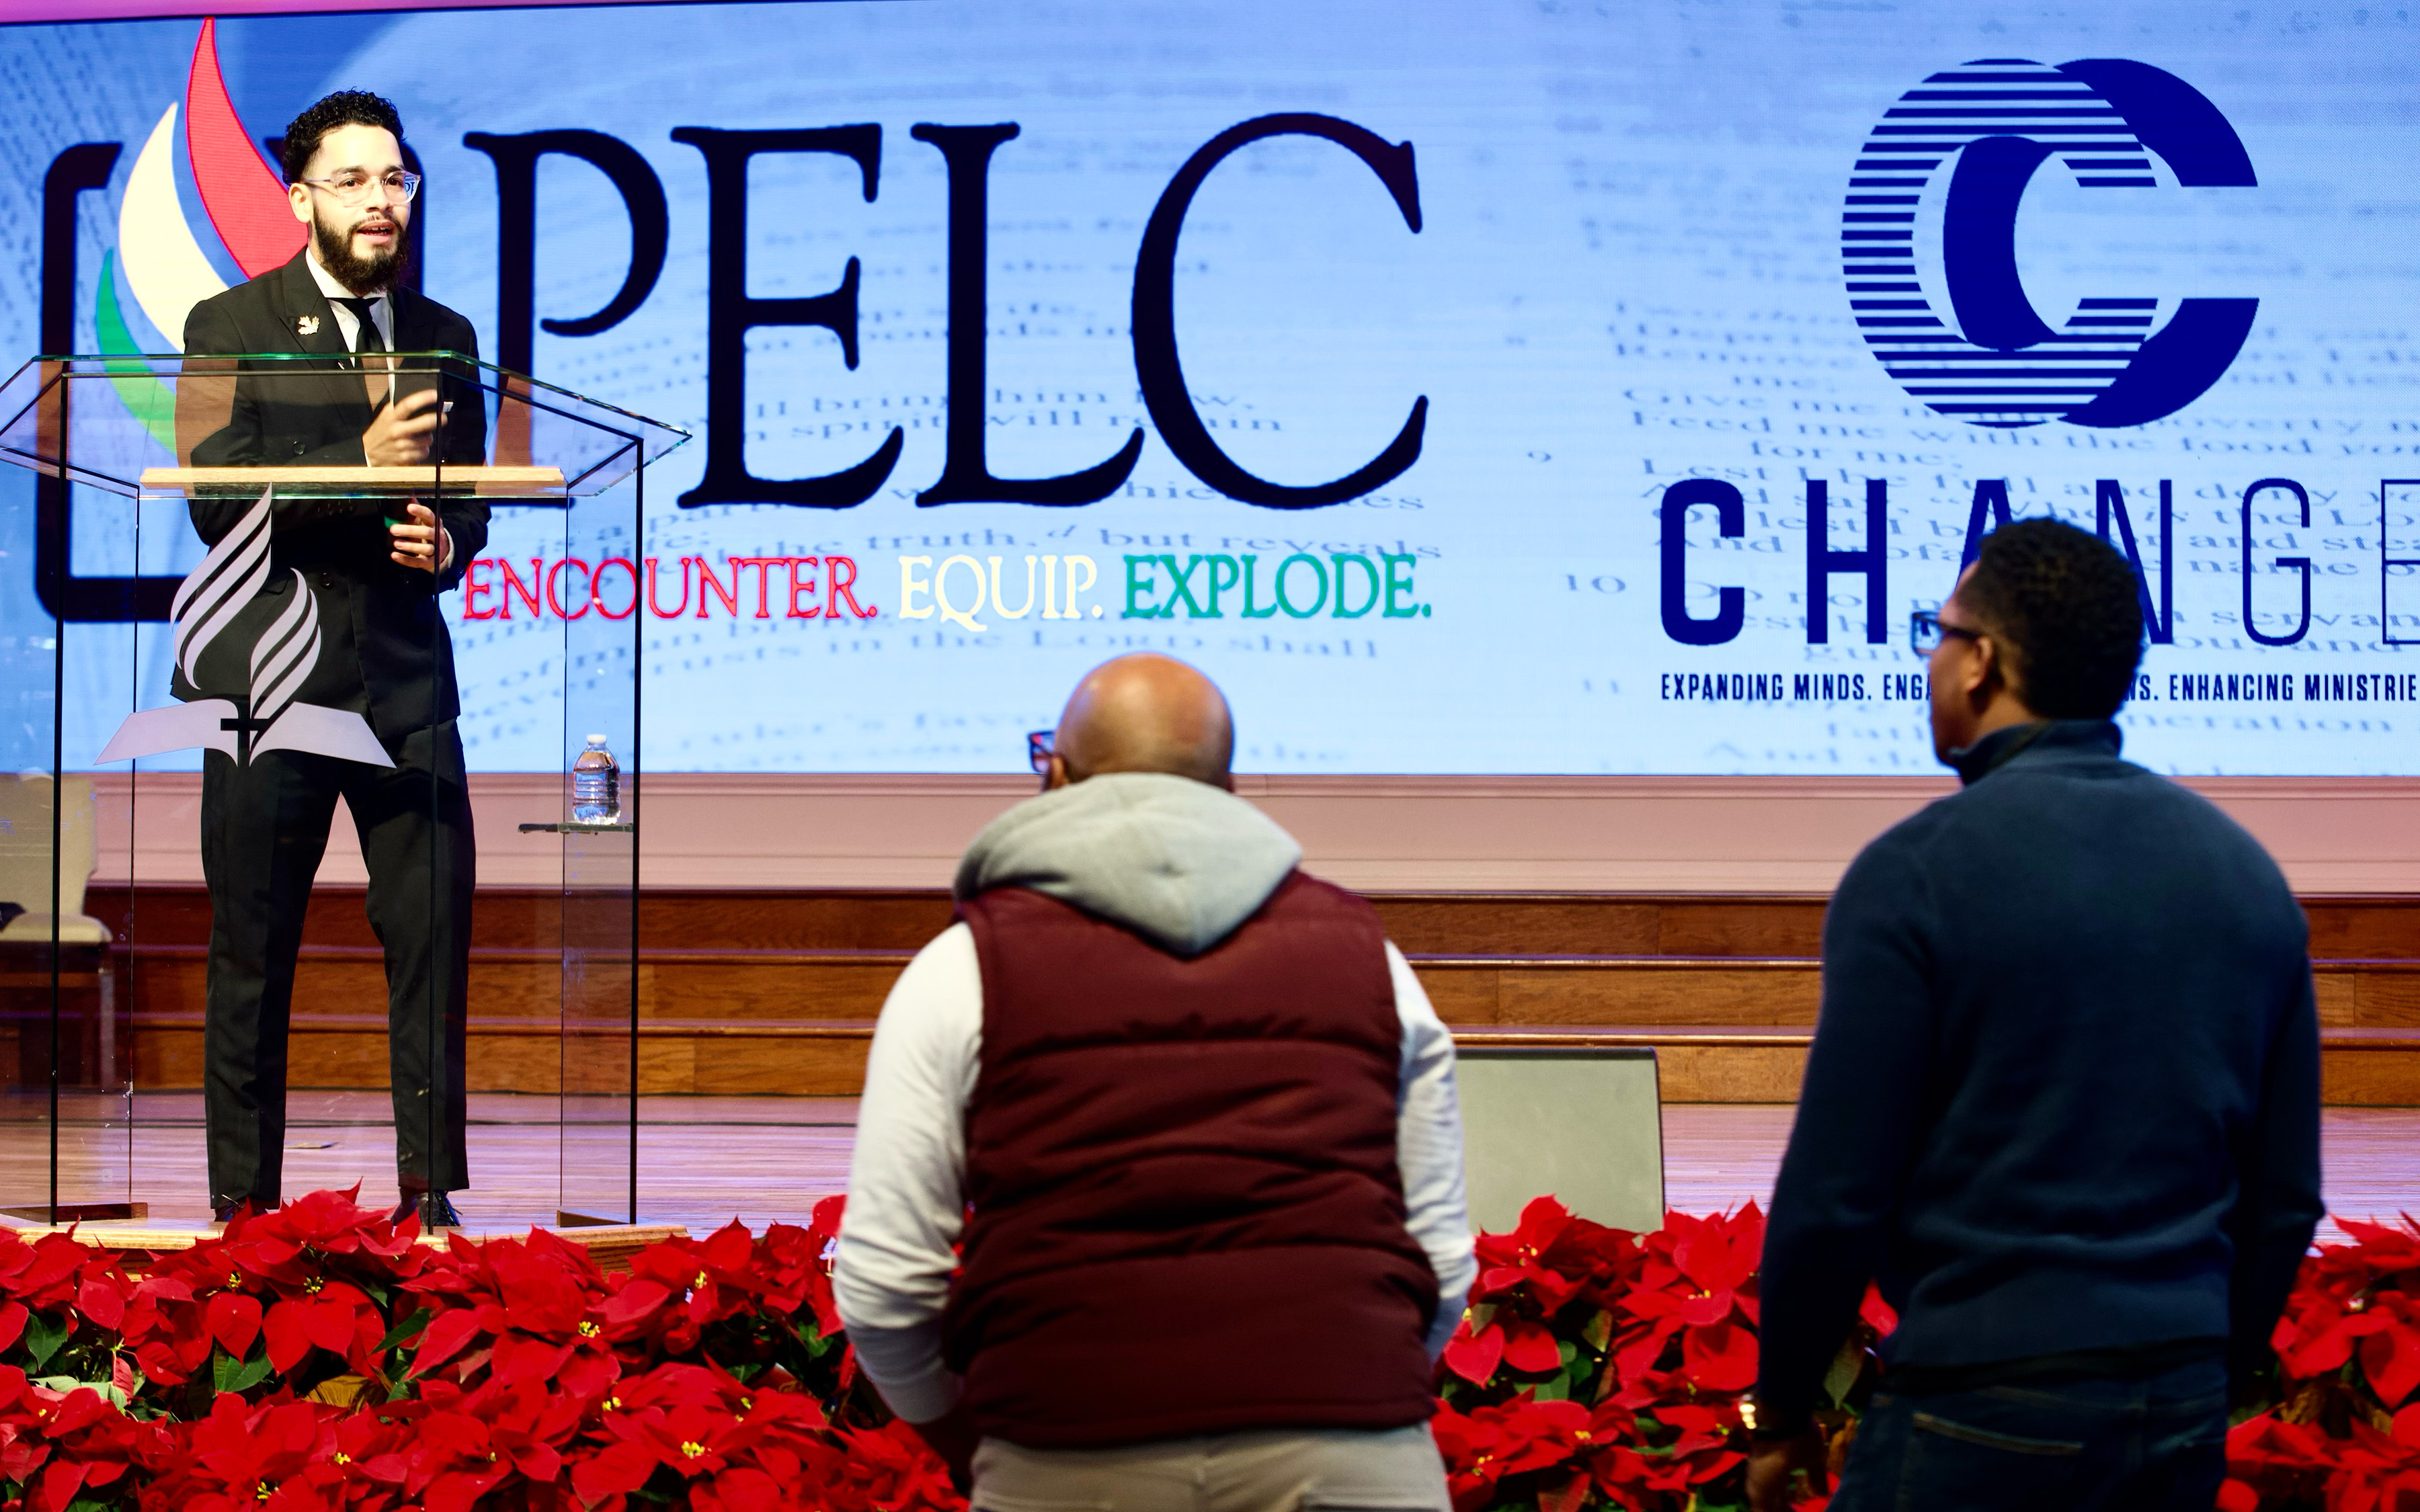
(399, 433)
(421, 542)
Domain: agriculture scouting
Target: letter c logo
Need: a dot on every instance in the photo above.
(1993, 122)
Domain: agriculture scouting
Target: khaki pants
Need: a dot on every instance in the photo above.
(1314, 1469)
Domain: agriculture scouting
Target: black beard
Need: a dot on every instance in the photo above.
(362, 275)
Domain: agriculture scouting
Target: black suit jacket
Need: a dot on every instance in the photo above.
(384, 651)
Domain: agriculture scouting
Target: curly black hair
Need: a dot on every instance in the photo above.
(2063, 604)
(346, 107)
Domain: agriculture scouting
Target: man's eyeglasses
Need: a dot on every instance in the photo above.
(359, 188)
(1039, 745)
(1925, 630)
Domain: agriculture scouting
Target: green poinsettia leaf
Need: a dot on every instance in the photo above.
(1599, 1331)
(44, 1336)
(819, 1345)
(228, 1373)
(107, 1390)
(1842, 1376)
(406, 1329)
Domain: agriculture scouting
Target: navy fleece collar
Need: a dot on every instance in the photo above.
(1978, 760)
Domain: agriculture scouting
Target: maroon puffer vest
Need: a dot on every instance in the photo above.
(1187, 1214)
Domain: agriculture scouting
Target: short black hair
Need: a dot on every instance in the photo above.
(2066, 610)
(346, 107)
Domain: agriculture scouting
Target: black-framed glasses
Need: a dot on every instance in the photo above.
(356, 187)
(1039, 746)
(1925, 630)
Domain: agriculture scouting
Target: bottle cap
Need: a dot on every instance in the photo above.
(597, 740)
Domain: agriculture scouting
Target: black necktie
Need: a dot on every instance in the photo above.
(366, 339)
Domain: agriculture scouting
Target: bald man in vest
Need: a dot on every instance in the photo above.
(1194, 1120)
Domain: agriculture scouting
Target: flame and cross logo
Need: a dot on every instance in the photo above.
(266, 713)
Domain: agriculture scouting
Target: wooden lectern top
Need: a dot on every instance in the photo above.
(487, 482)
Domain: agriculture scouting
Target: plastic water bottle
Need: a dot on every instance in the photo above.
(596, 785)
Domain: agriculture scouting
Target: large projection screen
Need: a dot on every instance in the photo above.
(1527, 387)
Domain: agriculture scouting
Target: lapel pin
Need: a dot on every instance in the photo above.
(307, 325)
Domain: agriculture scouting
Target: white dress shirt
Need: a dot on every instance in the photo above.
(381, 308)
(349, 324)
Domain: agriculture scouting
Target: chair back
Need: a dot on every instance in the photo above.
(1581, 1124)
(25, 805)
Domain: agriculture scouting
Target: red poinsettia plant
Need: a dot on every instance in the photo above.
(1602, 1368)
(320, 1359)
(2342, 1429)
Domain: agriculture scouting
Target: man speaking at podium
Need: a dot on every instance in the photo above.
(384, 655)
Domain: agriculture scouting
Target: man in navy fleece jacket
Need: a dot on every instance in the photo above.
(2063, 1101)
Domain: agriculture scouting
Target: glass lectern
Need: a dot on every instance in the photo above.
(224, 639)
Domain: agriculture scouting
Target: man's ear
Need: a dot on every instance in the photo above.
(299, 197)
(1992, 676)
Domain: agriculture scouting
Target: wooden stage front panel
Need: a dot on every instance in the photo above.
(756, 992)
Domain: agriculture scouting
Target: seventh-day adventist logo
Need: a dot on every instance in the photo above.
(1991, 358)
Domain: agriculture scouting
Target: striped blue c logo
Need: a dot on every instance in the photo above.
(1996, 361)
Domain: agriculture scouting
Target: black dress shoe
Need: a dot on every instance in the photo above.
(223, 1213)
(435, 1209)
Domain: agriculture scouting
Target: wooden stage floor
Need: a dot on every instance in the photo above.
(705, 1160)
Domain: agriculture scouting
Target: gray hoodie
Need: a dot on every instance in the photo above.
(1179, 862)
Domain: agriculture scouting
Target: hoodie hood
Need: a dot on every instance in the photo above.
(1179, 862)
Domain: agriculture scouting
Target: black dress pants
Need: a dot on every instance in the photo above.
(264, 828)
